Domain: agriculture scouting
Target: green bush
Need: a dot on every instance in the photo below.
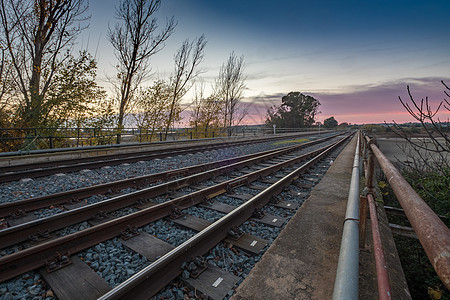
(420, 275)
(433, 188)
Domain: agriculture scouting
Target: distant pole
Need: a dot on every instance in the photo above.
(274, 129)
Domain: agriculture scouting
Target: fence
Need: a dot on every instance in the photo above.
(433, 234)
(25, 139)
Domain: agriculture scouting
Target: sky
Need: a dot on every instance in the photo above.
(355, 56)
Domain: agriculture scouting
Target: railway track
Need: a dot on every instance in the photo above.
(46, 168)
(20, 208)
(201, 185)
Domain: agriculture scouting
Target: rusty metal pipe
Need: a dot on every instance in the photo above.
(362, 221)
(384, 288)
(433, 234)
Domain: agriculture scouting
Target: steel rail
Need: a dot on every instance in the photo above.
(384, 288)
(31, 204)
(106, 147)
(132, 145)
(433, 234)
(158, 274)
(13, 235)
(347, 274)
(34, 257)
(111, 159)
(93, 163)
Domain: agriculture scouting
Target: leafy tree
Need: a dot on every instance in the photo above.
(206, 114)
(343, 125)
(296, 111)
(36, 35)
(74, 95)
(154, 104)
(330, 123)
(134, 41)
(206, 111)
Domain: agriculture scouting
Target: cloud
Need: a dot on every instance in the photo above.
(380, 102)
(358, 104)
(374, 103)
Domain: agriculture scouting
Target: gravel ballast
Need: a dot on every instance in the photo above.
(114, 262)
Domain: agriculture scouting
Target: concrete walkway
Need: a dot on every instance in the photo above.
(301, 263)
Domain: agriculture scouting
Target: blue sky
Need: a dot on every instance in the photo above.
(355, 57)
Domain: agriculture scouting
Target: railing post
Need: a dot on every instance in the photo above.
(78, 136)
(362, 222)
(384, 288)
(365, 155)
(370, 170)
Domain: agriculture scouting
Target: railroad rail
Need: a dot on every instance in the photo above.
(150, 280)
(40, 169)
(22, 207)
(269, 162)
(38, 227)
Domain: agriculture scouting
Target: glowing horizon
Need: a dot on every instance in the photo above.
(356, 58)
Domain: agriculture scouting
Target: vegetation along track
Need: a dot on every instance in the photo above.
(156, 208)
(39, 169)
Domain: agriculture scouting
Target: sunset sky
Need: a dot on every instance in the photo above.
(355, 56)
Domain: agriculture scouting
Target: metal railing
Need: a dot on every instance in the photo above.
(433, 234)
(26, 139)
(346, 284)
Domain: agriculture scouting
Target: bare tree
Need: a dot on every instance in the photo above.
(36, 34)
(196, 104)
(229, 88)
(4, 76)
(5, 85)
(433, 151)
(135, 41)
(5, 88)
(187, 60)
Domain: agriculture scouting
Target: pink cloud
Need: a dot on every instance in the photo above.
(376, 103)
(380, 103)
